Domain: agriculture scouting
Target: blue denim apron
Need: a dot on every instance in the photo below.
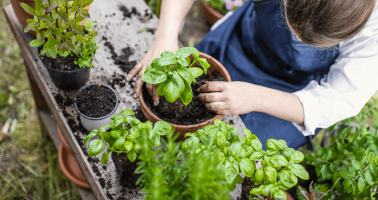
(256, 46)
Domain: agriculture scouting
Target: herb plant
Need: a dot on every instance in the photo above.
(168, 174)
(125, 136)
(351, 160)
(58, 29)
(174, 73)
(280, 164)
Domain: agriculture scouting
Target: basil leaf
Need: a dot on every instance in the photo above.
(247, 167)
(118, 144)
(162, 127)
(190, 144)
(248, 136)
(270, 174)
(248, 151)
(279, 194)
(128, 146)
(205, 65)
(137, 147)
(185, 52)
(256, 145)
(154, 76)
(287, 153)
(132, 156)
(259, 175)
(300, 171)
(220, 140)
(297, 157)
(288, 178)
(116, 122)
(195, 72)
(89, 136)
(231, 170)
(160, 89)
(95, 147)
(185, 74)
(171, 92)
(257, 191)
(127, 112)
(255, 156)
(219, 158)
(182, 62)
(167, 60)
(167, 54)
(104, 158)
(235, 150)
(178, 81)
(155, 139)
(279, 161)
(186, 95)
(116, 133)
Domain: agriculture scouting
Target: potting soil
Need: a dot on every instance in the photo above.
(60, 63)
(177, 113)
(96, 101)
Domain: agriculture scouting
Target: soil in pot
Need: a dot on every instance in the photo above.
(247, 186)
(96, 101)
(60, 63)
(177, 113)
(125, 170)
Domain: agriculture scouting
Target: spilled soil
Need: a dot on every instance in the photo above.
(177, 113)
(125, 170)
(96, 101)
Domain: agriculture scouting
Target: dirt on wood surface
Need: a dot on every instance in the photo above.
(125, 170)
(177, 113)
(60, 63)
(96, 101)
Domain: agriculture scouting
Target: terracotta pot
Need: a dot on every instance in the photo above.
(210, 13)
(289, 197)
(215, 65)
(69, 165)
(22, 15)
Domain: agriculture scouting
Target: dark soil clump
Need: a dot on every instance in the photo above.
(247, 186)
(60, 63)
(102, 182)
(139, 115)
(96, 101)
(125, 170)
(177, 113)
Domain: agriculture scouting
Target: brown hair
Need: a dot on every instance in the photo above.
(325, 23)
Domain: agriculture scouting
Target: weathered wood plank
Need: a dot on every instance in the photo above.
(121, 32)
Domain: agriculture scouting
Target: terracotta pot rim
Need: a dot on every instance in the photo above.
(62, 152)
(63, 141)
(226, 75)
(212, 10)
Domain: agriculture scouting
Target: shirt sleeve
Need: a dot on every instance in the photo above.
(350, 83)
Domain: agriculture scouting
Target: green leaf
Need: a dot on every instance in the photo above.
(205, 65)
(279, 194)
(28, 8)
(248, 136)
(219, 158)
(137, 147)
(104, 127)
(256, 145)
(288, 178)
(257, 191)
(220, 140)
(178, 81)
(278, 161)
(116, 133)
(95, 147)
(104, 158)
(128, 146)
(182, 62)
(297, 157)
(300, 171)
(195, 72)
(270, 174)
(89, 136)
(185, 52)
(185, 74)
(186, 95)
(30, 26)
(368, 178)
(118, 144)
(255, 156)
(287, 153)
(259, 175)
(86, 3)
(162, 127)
(127, 112)
(361, 183)
(190, 144)
(160, 90)
(167, 54)
(119, 120)
(155, 139)
(165, 61)
(154, 76)
(347, 183)
(345, 174)
(270, 145)
(171, 92)
(231, 171)
(235, 150)
(247, 167)
(132, 155)
(356, 164)
(35, 43)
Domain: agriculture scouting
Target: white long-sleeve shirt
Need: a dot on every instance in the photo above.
(350, 83)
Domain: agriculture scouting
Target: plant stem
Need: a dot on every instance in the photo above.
(361, 172)
(333, 186)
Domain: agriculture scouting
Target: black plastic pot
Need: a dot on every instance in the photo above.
(68, 80)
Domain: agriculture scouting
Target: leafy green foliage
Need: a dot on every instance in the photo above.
(154, 5)
(351, 160)
(125, 136)
(314, 193)
(174, 73)
(167, 174)
(58, 29)
(234, 154)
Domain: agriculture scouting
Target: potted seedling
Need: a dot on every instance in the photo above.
(216, 9)
(123, 142)
(279, 170)
(65, 47)
(95, 103)
(179, 75)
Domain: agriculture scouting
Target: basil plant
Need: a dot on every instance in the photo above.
(58, 29)
(175, 72)
(125, 135)
(280, 164)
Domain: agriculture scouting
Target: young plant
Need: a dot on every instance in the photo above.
(174, 73)
(280, 164)
(167, 174)
(125, 136)
(351, 160)
(58, 29)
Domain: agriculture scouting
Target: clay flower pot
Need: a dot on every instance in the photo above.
(91, 123)
(215, 65)
(69, 165)
(210, 13)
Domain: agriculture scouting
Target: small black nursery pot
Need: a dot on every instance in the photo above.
(68, 80)
(96, 103)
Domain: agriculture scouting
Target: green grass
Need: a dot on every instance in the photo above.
(29, 166)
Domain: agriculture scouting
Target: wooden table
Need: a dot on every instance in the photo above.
(116, 28)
